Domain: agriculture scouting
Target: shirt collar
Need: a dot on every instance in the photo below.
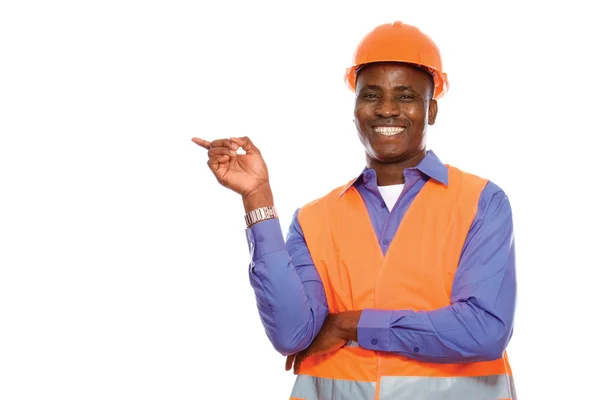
(430, 165)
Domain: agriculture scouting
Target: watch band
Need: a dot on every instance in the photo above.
(260, 214)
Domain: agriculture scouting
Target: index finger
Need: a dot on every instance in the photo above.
(224, 143)
(289, 362)
(201, 142)
(298, 361)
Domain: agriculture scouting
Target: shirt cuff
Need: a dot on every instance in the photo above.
(265, 237)
(373, 329)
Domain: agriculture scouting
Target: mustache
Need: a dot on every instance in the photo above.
(389, 122)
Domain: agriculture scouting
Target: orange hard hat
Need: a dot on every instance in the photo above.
(400, 42)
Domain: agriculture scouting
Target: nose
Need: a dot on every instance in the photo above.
(387, 108)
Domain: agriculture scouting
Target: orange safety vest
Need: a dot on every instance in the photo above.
(417, 273)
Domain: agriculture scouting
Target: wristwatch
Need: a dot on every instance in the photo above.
(260, 214)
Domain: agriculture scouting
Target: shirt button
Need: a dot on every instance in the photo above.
(386, 242)
(416, 349)
(260, 239)
(373, 342)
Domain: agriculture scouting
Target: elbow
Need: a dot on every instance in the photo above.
(491, 333)
(493, 347)
(292, 340)
(286, 347)
(292, 336)
(491, 352)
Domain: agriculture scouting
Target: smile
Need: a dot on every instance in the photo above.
(388, 130)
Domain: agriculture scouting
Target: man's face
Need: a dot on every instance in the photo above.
(393, 107)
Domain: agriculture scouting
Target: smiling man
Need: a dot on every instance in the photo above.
(399, 284)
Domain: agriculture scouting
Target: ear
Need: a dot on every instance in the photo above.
(433, 109)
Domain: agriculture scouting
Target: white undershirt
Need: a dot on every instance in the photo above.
(390, 194)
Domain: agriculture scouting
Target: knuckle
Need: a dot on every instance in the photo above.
(217, 151)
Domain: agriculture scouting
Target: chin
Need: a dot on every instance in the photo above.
(389, 157)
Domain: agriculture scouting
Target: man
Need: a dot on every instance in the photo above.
(399, 284)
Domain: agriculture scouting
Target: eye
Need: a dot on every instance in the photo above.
(406, 97)
(370, 96)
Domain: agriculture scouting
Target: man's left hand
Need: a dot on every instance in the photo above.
(337, 330)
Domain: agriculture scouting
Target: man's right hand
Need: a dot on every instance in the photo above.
(245, 174)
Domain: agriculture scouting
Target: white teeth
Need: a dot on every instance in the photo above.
(388, 130)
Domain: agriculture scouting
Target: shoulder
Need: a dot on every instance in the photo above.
(489, 188)
(493, 203)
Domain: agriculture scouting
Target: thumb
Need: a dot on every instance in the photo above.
(246, 144)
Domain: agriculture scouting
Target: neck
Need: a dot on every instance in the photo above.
(393, 173)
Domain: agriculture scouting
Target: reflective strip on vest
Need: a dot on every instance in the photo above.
(513, 390)
(493, 387)
(313, 388)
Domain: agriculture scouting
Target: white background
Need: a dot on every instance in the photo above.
(123, 264)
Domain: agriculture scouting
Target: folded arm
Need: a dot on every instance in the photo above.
(289, 292)
(478, 323)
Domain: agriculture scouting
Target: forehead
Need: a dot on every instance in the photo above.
(393, 74)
